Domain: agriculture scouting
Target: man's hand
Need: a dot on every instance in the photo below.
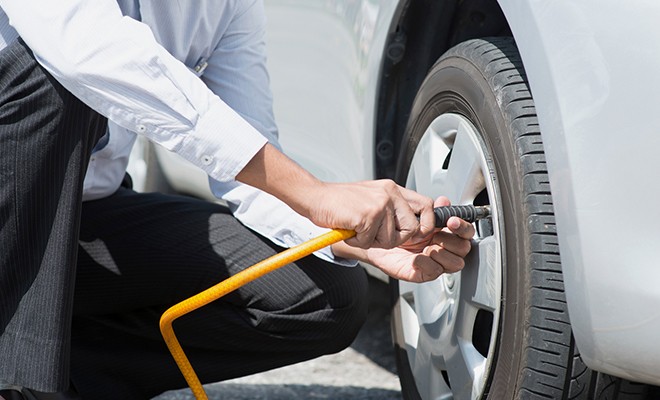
(382, 213)
(421, 258)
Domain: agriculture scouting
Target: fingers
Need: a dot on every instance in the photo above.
(441, 201)
(383, 214)
(434, 261)
(422, 206)
(450, 262)
(391, 218)
(426, 269)
(447, 252)
(362, 239)
(388, 232)
(414, 214)
(461, 228)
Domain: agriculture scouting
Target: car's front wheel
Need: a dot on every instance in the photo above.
(499, 329)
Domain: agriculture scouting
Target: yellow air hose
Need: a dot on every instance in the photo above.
(228, 285)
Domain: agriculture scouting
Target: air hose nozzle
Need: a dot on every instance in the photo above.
(468, 213)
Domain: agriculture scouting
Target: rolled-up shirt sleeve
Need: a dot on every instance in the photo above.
(237, 69)
(114, 64)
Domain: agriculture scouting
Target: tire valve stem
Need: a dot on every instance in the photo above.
(468, 213)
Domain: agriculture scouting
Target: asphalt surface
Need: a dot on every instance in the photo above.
(365, 370)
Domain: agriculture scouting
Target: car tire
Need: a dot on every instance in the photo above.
(499, 329)
(587, 384)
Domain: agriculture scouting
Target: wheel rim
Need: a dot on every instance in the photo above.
(449, 326)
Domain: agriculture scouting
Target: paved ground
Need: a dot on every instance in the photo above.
(366, 370)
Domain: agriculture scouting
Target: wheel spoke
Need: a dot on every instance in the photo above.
(481, 275)
(427, 164)
(420, 174)
(429, 340)
(408, 324)
(463, 180)
(425, 323)
(431, 301)
(422, 309)
(465, 366)
(433, 343)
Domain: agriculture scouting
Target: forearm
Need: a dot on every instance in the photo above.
(271, 218)
(376, 210)
(275, 173)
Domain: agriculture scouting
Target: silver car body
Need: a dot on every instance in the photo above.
(594, 71)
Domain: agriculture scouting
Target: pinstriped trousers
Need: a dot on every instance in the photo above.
(46, 136)
(143, 252)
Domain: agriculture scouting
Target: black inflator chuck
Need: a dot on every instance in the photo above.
(468, 213)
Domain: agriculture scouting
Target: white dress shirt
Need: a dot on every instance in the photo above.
(189, 75)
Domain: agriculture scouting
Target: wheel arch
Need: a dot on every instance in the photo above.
(420, 32)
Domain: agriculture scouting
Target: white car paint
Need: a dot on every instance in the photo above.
(327, 82)
(594, 70)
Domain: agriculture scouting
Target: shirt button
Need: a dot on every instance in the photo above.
(207, 160)
(141, 128)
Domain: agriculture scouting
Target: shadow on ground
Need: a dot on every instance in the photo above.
(374, 340)
(287, 392)
(364, 371)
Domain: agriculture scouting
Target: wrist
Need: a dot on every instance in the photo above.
(273, 172)
(303, 194)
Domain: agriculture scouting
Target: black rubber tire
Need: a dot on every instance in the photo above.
(484, 81)
(587, 384)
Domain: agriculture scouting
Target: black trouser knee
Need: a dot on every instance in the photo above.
(143, 252)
